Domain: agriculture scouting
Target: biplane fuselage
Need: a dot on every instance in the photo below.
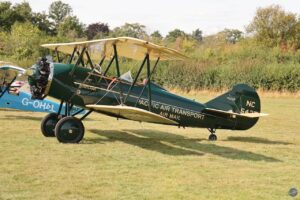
(185, 112)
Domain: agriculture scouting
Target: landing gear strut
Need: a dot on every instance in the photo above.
(212, 136)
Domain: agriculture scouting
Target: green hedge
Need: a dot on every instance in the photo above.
(277, 77)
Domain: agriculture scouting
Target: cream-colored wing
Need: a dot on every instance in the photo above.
(126, 47)
(132, 113)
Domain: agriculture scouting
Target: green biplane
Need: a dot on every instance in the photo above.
(82, 82)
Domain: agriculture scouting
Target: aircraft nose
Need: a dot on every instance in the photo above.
(39, 79)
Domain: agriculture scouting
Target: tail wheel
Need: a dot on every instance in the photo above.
(69, 130)
(212, 137)
(48, 124)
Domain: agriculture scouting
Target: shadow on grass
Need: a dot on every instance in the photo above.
(35, 118)
(23, 117)
(152, 144)
(10, 110)
(256, 140)
(173, 144)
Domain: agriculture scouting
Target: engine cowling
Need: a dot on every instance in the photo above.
(40, 78)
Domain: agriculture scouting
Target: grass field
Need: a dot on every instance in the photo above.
(129, 160)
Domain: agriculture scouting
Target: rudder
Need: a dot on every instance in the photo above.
(240, 99)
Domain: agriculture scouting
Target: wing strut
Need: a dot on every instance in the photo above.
(72, 55)
(57, 55)
(12, 72)
(89, 59)
(101, 61)
(81, 61)
(148, 81)
(8, 86)
(118, 71)
(149, 74)
(78, 60)
(135, 79)
(108, 66)
(115, 59)
(149, 77)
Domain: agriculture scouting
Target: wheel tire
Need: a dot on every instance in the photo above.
(212, 137)
(69, 130)
(48, 124)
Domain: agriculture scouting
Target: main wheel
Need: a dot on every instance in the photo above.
(212, 137)
(48, 124)
(69, 130)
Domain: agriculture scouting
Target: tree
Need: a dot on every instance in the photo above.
(156, 37)
(296, 41)
(232, 35)
(97, 29)
(197, 35)
(58, 11)
(273, 26)
(156, 34)
(71, 27)
(10, 14)
(176, 33)
(24, 41)
(135, 30)
(23, 11)
(6, 16)
(43, 23)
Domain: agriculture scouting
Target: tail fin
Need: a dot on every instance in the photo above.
(238, 103)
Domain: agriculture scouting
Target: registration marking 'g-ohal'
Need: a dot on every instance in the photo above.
(38, 104)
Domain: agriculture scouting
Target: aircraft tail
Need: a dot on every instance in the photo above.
(241, 104)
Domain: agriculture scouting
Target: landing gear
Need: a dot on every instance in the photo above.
(66, 128)
(48, 124)
(69, 130)
(212, 136)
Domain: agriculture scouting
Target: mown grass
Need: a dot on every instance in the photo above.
(129, 160)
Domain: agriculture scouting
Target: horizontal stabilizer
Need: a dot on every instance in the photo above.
(132, 113)
(248, 115)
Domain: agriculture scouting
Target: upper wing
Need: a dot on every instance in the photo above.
(248, 115)
(127, 47)
(8, 72)
(132, 113)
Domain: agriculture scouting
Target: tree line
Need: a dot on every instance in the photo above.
(270, 44)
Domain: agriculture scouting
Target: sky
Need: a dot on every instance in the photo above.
(210, 16)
